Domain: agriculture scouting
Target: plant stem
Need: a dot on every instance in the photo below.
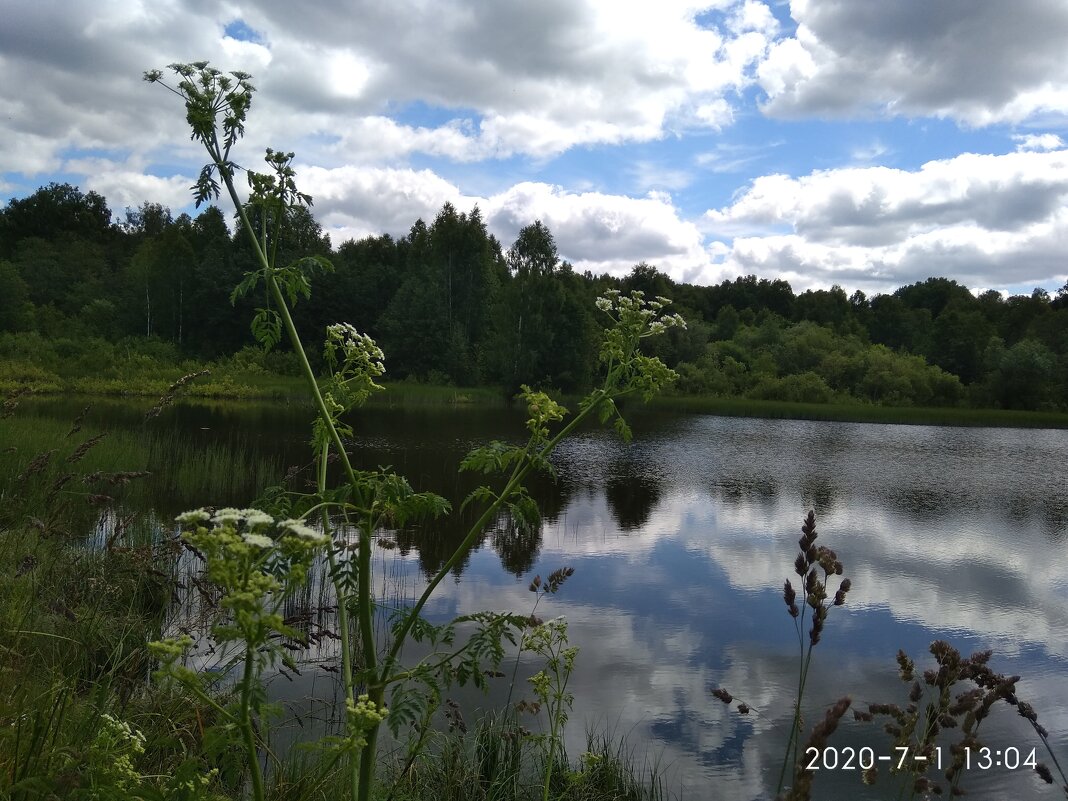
(363, 587)
(251, 752)
(791, 745)
(342, 610)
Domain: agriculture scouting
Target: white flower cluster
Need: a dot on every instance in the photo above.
(364, 715)
(356, 348)
(258, 540)
(252, 518)
(193, 517)
(254, 521)
(230, 516)
(650, 312)
(302, 530)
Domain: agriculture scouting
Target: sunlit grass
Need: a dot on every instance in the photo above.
(863, 413)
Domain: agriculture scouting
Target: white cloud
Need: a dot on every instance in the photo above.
(595, 231)
(1046, 141)
(353, 202)
(606, 233)
(376, 138)
(955, 58)
(530, 80)
(989, 220)
(128, 188)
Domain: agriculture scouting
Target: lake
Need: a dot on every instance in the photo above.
(681, 542)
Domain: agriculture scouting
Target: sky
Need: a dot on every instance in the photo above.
(853, 142)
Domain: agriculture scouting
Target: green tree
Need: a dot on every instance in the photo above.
(53, 210)
(1025, 376)
(544, 330)
(958, 338)
(829, 307)
(16, 311)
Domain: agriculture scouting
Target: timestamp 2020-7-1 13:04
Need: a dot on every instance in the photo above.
(866, 758)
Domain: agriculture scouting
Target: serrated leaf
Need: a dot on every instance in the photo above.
(496, 457)
(524, 511)
(267, 328)
(407, 706)
(314, 263)
(483, 494)
(248, 283)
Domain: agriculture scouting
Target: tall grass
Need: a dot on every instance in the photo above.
(182, 469)
(863, 413)
(494, 761)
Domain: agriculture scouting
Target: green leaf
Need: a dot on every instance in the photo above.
(496, 457)
(267, 328)
(248, 283)
(481, 494)
(206, 188)
(524, 510)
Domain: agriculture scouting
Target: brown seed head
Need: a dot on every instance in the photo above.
(903, 661)
(817, 629)
(1027, 711)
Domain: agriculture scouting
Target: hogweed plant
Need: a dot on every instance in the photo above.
(257, 563)
(216, 107)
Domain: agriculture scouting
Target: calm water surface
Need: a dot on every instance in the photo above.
(681, 541)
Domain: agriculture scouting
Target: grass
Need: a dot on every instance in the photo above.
(496, 761)
(183, 471)
(863, 413)
(411, 394)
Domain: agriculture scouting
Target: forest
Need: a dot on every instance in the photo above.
(450, 304)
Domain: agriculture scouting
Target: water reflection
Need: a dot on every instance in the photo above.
(631, 496)
(681, 541)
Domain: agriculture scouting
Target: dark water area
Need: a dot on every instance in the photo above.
(681, 542)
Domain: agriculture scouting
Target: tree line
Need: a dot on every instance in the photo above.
(450, 304)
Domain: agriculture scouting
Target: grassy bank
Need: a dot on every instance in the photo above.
(864, 413)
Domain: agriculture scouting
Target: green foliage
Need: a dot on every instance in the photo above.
(450, 306)
(809, 363)
(807, 387)
(549, 640)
